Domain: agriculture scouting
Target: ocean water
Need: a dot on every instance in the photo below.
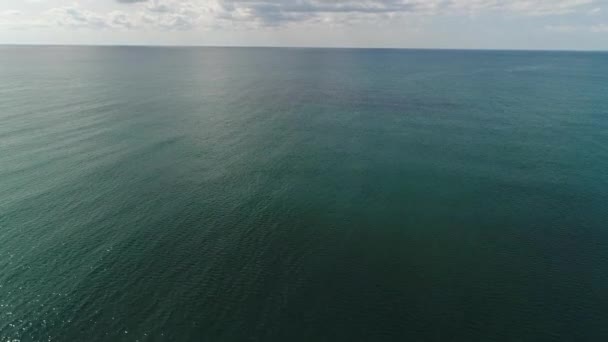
(245, 194)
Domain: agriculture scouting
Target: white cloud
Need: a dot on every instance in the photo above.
(595, 11)
(546, 7)
(17, 19)
(600, 28)
(562, 28)
(76, 17)
(597, 28)
(10, 13)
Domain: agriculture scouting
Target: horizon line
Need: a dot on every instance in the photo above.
(296, 47)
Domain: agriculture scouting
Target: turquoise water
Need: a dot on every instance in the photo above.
(302, 195)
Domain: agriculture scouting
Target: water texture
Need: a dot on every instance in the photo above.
(248, 194)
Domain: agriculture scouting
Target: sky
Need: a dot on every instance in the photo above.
(476, 24)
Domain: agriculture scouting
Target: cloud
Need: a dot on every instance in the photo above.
(190, 14)
(547, 7)
(597, 28)
(76, 17)
(13, 19)
(284, 12)
(272, 13)
(172, 17)
(562, 28)
(10, 13)
(278, 12)
(177, 15)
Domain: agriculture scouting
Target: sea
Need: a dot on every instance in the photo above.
(300, 194)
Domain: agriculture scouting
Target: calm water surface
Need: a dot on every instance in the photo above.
(302, 195)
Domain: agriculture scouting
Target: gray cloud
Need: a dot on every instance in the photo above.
(187, 14)
(275, 12)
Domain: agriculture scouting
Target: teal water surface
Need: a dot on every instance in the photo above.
(245, 194)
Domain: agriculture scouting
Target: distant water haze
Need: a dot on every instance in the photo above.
(249, 194)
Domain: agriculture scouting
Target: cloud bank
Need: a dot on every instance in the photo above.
(190, 14)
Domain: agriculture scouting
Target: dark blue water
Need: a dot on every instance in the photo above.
(210, 194)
